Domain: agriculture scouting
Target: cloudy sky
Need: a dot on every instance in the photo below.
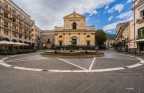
(104, 14)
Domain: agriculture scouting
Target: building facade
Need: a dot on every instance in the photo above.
(75, 32)
(124, 36)
(47, 39)
(36, 36)
(15, 24)
(138, 18)
(109, 43)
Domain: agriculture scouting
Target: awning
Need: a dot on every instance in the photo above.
(20, 44)
(6, 43)
(3, 43)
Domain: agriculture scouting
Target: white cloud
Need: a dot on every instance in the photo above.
(110, 18)
(112, 26)
(49, 13)
(87, 19)
(125, 15)
(106, 7)
(92, 12)
(118, 7)
(129, 1)
(109, 31)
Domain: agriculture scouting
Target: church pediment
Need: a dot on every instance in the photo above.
(74, 15)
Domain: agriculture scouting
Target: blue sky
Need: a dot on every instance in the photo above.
(104, 14)
(104, 18)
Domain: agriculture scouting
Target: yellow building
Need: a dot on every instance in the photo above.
(15, 24)
(138, 10)
(75, 32)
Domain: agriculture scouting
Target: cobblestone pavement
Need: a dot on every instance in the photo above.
(130, 80)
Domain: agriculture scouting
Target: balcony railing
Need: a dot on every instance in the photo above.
(140, 1)
(140, 20)
(6, 16)
(20, 17)
(15, 30)
(137, 3)
(20, 23)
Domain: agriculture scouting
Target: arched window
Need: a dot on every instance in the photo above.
(74, 25)
(88, 35)
(60, 36)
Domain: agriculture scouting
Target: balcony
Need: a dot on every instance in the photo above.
(20, 17)
(140, 20)
(15, 30)
(30, 23)
(20, 24)
(15, 22)
(6, 18)
(20, 32)
(138, 3)
(28, 35)
(6, 27)
(15, 14)
(27, 28)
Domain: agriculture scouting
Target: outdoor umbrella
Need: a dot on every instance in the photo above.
(20, 44)
(3, 43)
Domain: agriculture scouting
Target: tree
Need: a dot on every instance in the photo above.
(100, 38)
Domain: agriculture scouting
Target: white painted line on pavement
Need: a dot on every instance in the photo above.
(118, 58)
(5, 58)
(6, 65)
(72, 64)
(83, 69)
(92, 63)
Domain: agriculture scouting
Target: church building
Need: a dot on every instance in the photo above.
(75, 32)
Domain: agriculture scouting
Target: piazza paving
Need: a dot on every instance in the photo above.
(128, 80)
(109, 60)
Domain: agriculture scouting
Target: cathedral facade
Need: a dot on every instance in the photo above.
(75, 32)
